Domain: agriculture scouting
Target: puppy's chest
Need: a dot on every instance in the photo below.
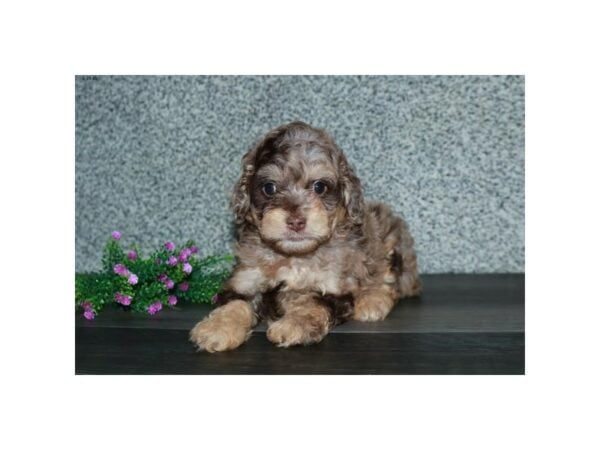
(299, 275)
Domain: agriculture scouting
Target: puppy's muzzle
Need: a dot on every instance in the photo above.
(296, 222)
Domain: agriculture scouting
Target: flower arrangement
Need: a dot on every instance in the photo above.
(167, 277)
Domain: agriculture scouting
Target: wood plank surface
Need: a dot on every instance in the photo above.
(462, 324)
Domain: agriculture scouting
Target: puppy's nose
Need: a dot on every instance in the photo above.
(296, 222)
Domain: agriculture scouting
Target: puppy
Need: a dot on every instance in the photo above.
(311, 253)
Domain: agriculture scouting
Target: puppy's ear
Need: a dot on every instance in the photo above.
(240, 199)
(351, 191)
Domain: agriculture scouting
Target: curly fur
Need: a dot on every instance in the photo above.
(308, 260)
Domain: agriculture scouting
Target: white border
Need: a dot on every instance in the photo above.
(46, 43)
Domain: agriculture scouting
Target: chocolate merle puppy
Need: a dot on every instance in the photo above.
(310, 253)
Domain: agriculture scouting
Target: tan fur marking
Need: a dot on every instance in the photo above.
(273, 224)
(317, 221)
(225, 328)
(297, 248)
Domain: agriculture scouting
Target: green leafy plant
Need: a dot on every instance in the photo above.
(167, 277)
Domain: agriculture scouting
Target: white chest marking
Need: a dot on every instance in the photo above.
(302, 276)
(248, 281)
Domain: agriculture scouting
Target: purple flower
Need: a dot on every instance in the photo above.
(120, 269)
(169, 284)
(163, 277)
(154, 308)
(172, 300)
(86, 305)
(170, 246)
(172, 261)
(89, 314)
(194, 249)
(133, 279)
(116, 235)
(184, 286)
(132, 255)
(185, 254)
(187, 268)
(123, 299)
(216, 298)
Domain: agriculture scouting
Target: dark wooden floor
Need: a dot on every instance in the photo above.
(462, 324)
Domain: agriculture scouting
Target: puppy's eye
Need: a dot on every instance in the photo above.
(319, 187)
(269, 189)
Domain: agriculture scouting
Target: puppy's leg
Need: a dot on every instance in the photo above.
(402, 260)
(225, 328)
(374, 304)
(404, 265)
(400, 278)
(305, 321)
(230, 325)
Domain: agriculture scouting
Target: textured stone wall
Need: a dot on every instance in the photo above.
(156, 157)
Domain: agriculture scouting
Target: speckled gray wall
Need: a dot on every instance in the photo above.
(156, 157)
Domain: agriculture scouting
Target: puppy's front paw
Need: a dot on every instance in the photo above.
(214, 336)
(296, 330)
(226, 328)
(372, 308)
